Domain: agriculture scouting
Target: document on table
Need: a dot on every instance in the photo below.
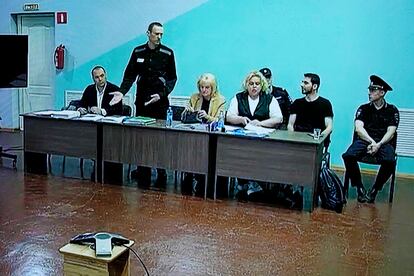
(259, 129)
(90, 117)
(114, 119)
(62, 114)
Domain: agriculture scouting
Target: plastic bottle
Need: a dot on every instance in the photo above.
(220, 122)
(169, 119)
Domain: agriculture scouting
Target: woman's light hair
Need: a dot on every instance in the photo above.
(209, 79)
(263, 82)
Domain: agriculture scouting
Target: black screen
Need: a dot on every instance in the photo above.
(13, 56)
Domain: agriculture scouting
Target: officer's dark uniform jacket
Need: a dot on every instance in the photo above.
(262, 110)
(282, 97)
(154, 72)
(376, 121)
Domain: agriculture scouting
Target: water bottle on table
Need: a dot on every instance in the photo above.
(220, 122)
(169, 119)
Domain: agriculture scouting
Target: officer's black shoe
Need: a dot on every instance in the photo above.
(362, 194)
(372, 194)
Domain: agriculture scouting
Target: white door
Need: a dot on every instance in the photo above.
(39, 94)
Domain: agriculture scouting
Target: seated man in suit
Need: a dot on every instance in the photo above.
(375, 126)
(96, 97)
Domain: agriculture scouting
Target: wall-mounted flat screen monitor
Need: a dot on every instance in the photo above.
(14, 60)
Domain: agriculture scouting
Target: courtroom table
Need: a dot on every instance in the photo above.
(282, 157)
(45, 135)
(179, 149)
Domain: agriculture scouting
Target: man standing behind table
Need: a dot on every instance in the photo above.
(152, 65)
(375, 127)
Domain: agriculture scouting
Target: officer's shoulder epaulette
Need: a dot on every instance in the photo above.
(139, 48)
(166, 50)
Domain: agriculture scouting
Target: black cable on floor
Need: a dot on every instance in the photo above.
(142, 263)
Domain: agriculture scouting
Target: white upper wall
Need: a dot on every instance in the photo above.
(86, 28)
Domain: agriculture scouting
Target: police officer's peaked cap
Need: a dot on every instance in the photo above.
(377, 81)
(266, 72)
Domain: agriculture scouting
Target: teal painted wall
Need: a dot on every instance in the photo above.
(343, 41)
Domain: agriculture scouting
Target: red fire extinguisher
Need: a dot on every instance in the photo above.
(60, 57)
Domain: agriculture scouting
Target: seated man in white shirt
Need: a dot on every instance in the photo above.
(96, 97)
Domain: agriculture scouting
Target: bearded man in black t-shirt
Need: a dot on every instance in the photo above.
(311, 111)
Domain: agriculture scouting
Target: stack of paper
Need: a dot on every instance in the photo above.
(113, 119)
(90, 117)
(139, 120)
(259, 129)
(62, 114)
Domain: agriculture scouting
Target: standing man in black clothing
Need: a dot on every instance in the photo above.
(152, 65)
(96, 97)
(375, 127)
(281, 95)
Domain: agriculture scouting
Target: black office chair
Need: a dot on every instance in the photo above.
(177, 111)
(4, 154)
(367, 159)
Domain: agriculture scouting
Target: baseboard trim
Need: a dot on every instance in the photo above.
(9, 129)
(373, 172)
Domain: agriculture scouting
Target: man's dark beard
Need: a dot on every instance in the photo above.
(304, 92)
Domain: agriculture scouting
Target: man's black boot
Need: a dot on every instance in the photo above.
(362, 194)
(372, 194)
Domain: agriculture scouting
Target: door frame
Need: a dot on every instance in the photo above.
(18, 98)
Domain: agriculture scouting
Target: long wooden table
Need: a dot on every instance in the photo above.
(44, 135)
(159, 147)
(283, 157)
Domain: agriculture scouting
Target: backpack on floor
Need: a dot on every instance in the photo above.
(330, 190)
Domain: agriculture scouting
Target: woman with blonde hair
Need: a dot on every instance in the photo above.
(254, 105)
(257, 107)
(207, 102)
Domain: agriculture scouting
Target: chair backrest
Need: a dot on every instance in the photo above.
(177, 111)
(126, 110)
(73, 105)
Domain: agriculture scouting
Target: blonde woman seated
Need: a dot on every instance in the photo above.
(253, 105)
(208, 102)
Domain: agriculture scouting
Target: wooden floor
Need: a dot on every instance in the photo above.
(185, 235)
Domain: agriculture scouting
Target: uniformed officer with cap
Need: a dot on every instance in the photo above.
(152, 65)
(375, 128)
(281, 95)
